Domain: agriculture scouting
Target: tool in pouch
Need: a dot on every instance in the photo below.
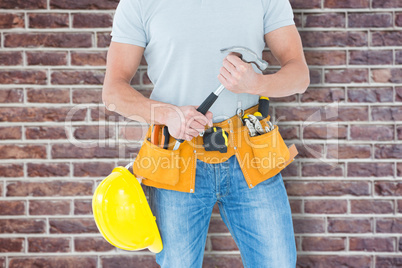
(164, 142)
(252, 121)
(248, 56)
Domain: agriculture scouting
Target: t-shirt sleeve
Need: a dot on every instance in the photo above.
(278, 13)
(128, 24)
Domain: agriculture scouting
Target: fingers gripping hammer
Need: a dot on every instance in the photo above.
(248, 56)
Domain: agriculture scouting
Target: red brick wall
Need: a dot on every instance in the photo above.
(344, 188)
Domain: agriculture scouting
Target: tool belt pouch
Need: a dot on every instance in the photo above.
(216, 139)
(157, 164)
(269, 151)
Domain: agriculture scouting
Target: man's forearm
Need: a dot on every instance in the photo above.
(292, 78)
(120, 97)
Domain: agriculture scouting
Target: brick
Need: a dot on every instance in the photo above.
(23, 4)
(45, 20)
(10, 133)
(15, 95)
(334, 39)
(69, 77)
(370, 57)
(388, 113)
(387, 75)
(298, 19)
(346, 76)
(305, 5)
(49, 188)
(72, 151)
(82, 207)
(90, 244)
(85, 4)
(388, 151)
(134, 133)
(370, 169)
(369, 20)
(332, 188)
(88, 58)
(399, 169)
(86, 95)
(371, 133)
(11, 170)
(11, 244)
(292, 98)
(323, 95)
(388, 188)
(94, 132)
(333, 261)
(102, 114)
(49, 207)
(315, 77)
(47, 58)
(377, 244)
(223, 243)
(349, 225)
(308, 225)
(12, 207)
(398, 19)
(97, 169)
(48, 95)
(55, 262)
(38, 114)
(326, 206)
(325, 20)
(367, 206)
(103, 39)
(398, 94)
(11, 20)
(53, 133)
(386, 3)
(216, 225)
(287, 132)
(322, 169)
(48, 170)
(35, 77)
(291, 170)
(56, 40)
(310, 150)
(72, 226)
(388, 261)
(323, 243)
(370, 95)
(270, 58)
(296, 206)
(325, 132)
(389, 225)
(328, 113)
(22, 226)
(228, 261)
(399, 202)
(23, 152)
(343, 151)
(48, 244)
(8, 58)
(346, 3)
(386, 38)
(92, 20)
(128, 261)
(325, 57)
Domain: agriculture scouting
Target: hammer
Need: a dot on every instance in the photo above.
(246, 55)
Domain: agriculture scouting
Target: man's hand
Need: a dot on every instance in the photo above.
(238, 76)
(185, 122)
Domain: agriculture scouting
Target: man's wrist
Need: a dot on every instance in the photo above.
(162, 113)
(261, 84)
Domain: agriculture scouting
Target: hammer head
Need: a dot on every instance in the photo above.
(248, 56)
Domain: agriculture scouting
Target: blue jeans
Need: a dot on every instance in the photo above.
(259, 219)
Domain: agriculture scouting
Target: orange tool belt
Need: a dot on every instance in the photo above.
(260, 157)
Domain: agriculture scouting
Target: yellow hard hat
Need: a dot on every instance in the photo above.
(123, 215)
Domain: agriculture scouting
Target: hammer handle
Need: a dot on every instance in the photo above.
(205, 105)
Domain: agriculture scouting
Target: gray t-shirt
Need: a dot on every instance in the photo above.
(183, 38)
